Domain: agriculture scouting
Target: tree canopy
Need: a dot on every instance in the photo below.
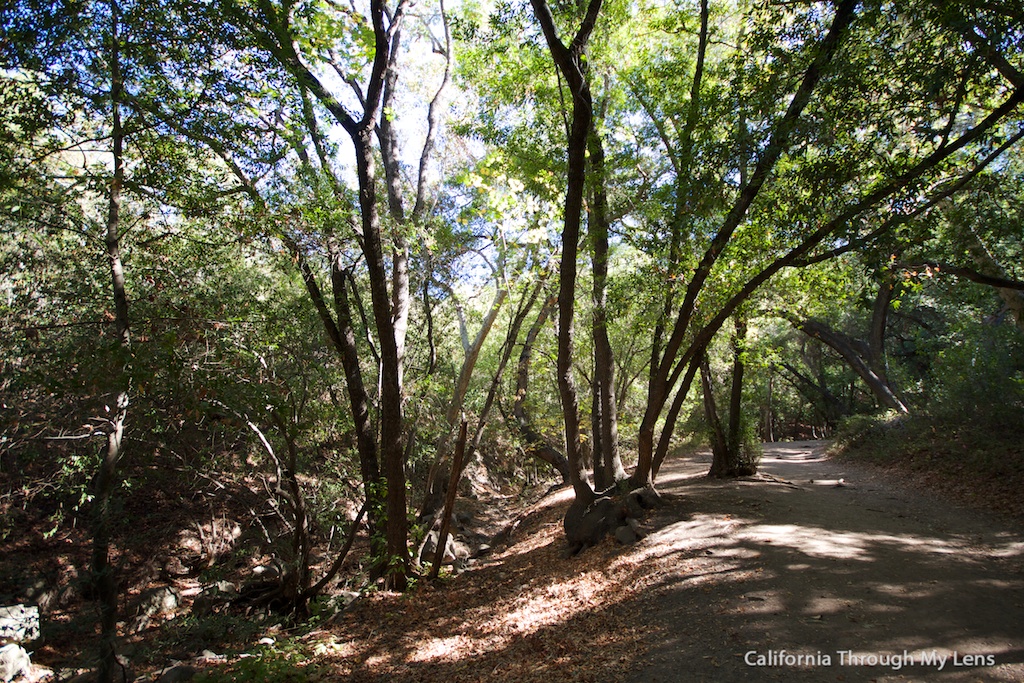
(317, 235)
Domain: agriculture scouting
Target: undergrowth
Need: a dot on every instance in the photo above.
(978, 460)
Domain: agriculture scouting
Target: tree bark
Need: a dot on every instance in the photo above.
(736, 392)
(438, 475)
(391, 422)
(106, 482)
(571, 63)
(727, 442)
(719, 441)
(608, 467)
(536, 444)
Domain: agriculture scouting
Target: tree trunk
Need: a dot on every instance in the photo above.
(608, 467)
(736, 393)
(720, 460)
(858, 355)
(526, 305)
(391, 422)
(449, 502)
(668, 370)
(537, 445)
(342, 334)
(439, 471)
(106, 481)
(571, 63)
(728, 447)
(768, 410)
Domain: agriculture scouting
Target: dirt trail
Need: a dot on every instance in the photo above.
(867, 581)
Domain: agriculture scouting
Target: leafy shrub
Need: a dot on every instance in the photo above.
(271, 664)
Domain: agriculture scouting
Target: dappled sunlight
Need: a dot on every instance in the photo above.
(1009, 549)
(700, 531)
(769, 565)
(676, 476)
(450, 648)
(846, 545)
(809, 540)
(518, 616)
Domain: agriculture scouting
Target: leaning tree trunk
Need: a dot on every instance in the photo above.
(536, 444)
(866, 359)
(671, 365)
(439, 473)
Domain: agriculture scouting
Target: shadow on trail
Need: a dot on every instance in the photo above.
(863, 581)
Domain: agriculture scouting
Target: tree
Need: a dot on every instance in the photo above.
(571, 63)
(881, 195)
(865, 357)
(293, 36)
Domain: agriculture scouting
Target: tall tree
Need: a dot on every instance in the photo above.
(571, 63)
(884, 200)
(106, 478)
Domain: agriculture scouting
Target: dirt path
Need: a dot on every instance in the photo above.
(862, 579)
(867, 581)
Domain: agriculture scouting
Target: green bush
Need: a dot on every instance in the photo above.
(278, 663)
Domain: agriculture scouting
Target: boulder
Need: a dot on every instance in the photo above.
(153, 602)
(456, 553)
(19, 624)
(14, 662)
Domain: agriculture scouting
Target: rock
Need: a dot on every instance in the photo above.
(586, 526)
(625, 535)
(42, 592)
(225, 587)
(267, 572)
(14, 662)
(153, 602)
(456, 553)
(429, 547)
(174, 568)
(348, 597)
(214, 596)
(159, 600)
(19, 624)
(179, 673)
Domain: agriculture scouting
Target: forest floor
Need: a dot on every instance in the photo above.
(861, 577)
